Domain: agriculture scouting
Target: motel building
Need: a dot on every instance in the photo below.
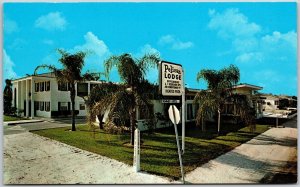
(41, 96)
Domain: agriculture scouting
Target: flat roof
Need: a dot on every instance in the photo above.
(244, 85)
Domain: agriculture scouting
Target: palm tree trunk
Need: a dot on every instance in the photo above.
(72, 94)
(219, 120)
(203, 125)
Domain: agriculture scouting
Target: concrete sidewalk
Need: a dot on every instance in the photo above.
(261, 157)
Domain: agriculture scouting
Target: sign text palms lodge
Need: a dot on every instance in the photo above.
(171, 79)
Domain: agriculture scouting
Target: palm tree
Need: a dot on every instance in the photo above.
(7, 97)
(220, 85)
(70, 73)
(133, 92)
(97, 93)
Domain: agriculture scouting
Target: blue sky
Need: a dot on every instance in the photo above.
(259, 38)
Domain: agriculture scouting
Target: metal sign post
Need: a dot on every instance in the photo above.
(171, 86)
(183, 114)
(137, 149)
(175, 118)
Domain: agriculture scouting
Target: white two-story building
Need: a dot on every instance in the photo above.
(41, 96)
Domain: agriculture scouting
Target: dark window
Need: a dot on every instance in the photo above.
(47, 106)
(41, 105)
(41, 86)
(81, 106)
(190, 114)
(36, 105)
(37, 87)
(82, 89)
(63, 86)
(63, 106)
(47, 85)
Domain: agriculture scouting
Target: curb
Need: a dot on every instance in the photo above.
(22, 122)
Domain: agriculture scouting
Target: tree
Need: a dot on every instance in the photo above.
(133, 92)
(7, 97)
(70, 73)
(220, 85)
(97, 93)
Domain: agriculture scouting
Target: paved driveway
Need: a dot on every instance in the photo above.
(252, 162)
(32, 159)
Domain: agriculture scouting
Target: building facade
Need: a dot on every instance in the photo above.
(42, 96)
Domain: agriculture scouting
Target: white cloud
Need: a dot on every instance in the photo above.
(152, 74)
(93, 44)
(10, 26)
(8, 64)
(174, 43)
(147, 49)
(232, 23)
(97, 49)
(51, 21)
(249, 57)
(247, 40)
(48, 42)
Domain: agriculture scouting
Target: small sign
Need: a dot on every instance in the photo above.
(170, 101)
(174, 114)
(171, 79)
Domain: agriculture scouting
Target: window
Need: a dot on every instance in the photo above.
(81, 106)
(82, 89)
(276, 102)
(63, 106)
(37, 87)
(63, 86)
(47, 106)
(41, 105)
(190, 114)
(41, 86)
(47, 86)
(36, 105)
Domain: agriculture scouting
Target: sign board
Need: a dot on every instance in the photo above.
(171, 79)
(174, 114)
(169, 101)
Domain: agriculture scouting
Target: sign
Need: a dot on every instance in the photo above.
(174, 114)
(170, 101)
(171, 79)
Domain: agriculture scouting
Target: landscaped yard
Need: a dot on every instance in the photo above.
(12, 118)
(158, 150)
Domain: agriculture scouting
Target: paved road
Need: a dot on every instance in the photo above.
(45, 124)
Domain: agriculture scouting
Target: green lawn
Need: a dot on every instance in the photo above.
(158, 150)
(12, 118)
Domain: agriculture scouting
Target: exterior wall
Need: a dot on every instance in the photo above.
(159, 107)
(271, 106)
(53, 96)
(43, 96)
